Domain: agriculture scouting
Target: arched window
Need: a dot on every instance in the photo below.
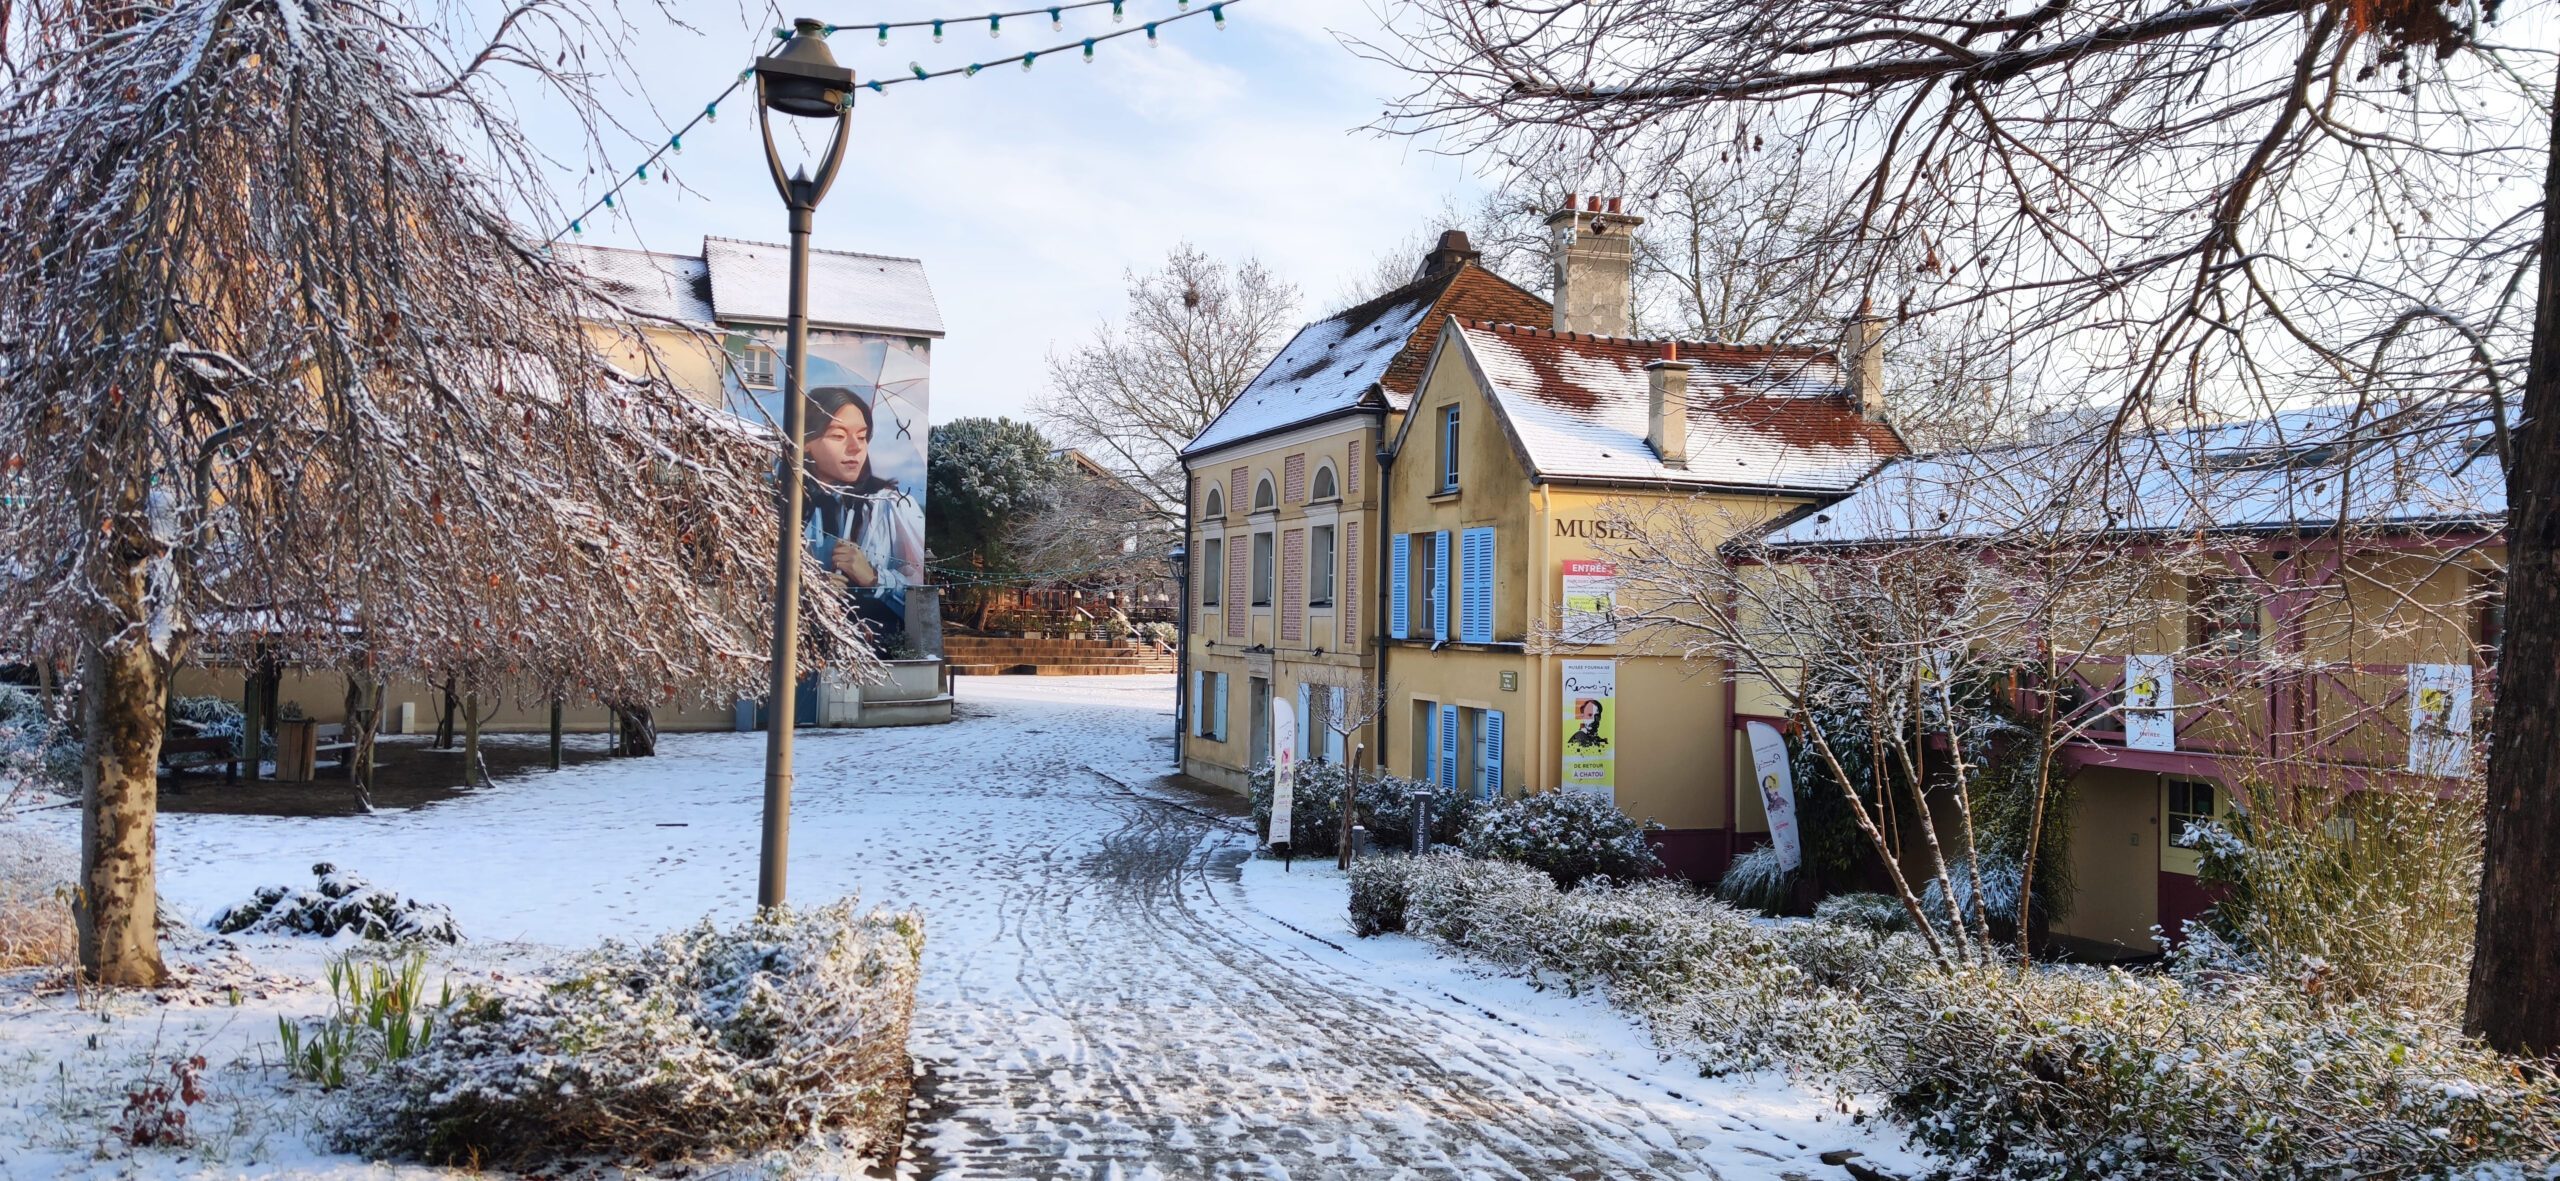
(1263, 500)
(1216, 509)
(1324, 487)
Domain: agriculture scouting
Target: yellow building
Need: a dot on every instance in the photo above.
(1282, 531)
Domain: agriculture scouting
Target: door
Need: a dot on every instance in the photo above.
(1258, 704)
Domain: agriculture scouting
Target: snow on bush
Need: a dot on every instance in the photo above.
(1758, 881)
(34, 747)
(340, 901)
(1879, 913)
(36, 873)
(1572, 835)
(2000, 882)
(1315, 806)
(1386, 806)
(2106, 1075)
(709, 1041)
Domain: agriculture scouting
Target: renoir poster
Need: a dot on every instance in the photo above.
(1590, 602)
(1777, 791)
(1284, 770)
(2150, 703)
(2440, 719)
(1591, 726)
(865, 446)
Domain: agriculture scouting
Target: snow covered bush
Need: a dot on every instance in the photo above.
(1879, 913)
(1315, 806)
(1758, 881)
(708, 1041)
(340, 901)
(2105, 1075)
(1572, 835)
(1386, 806)
(36, 873)
(2000, 881)
(35, 749)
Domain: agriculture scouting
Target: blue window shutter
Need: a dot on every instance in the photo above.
(1333, 752)
(1475, 588)
(1199, 708)
(1489, 785)
(1440, 585)
(1448, 744)
(1400, 587)
(1306, 724)
(1220, 717)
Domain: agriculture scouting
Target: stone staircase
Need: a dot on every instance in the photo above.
(987, 656)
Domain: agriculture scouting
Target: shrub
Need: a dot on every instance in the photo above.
(1378, 894)
(341, 902)
(35, 748)
(35, 910)
(1877, 913)
(1315, 807)
(789, 1025)
(377, 1015)
(2102, 1075)
(1386, 807)
(1571, 835)
(209, 715)
(1757, 881)
(2000, 879)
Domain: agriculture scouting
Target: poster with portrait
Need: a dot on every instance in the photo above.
(1590, 602)
(864, 444)
(1590, 752)
(2150, 703)
(2440, 719)
(1777, 786)
(1284, 769)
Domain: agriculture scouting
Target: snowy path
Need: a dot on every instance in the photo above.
(1112, 990)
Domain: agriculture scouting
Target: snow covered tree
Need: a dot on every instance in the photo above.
(276, 367)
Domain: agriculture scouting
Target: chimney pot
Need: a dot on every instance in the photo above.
(1591, 204)
(1594, 261)
(1613, 204)
(1862, 360)
(1667, 407)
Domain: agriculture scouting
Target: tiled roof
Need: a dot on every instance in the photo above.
(1385, 343)
(645, 283)
(2378, 465)
(752, 281)
(1762, 417)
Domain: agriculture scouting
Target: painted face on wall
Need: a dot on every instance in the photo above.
(842, 452)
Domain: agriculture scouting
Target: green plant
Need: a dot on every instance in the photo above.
(1315, 807)
(1757, 880)
(1570, 835)
(375, 1018)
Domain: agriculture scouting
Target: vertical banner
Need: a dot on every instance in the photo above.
(1590, 752)
(1777, 791)
(2440, 719)
(2150, 703)
(1284, 767)
(1590, 602)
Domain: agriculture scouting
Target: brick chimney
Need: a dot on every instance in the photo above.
(1454, 251)
(1862, 359)
(1595, 256)
(1666, 384)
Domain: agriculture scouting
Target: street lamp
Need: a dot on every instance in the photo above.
(801, 79)
(1179, 557)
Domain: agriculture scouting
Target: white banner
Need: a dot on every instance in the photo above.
(2150, 703)
(1777, 791)
(1590, 602)
(1284, 767)
(2440, 719)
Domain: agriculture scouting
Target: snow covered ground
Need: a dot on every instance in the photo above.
(1113, 988)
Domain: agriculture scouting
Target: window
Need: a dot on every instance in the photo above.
(1449, 448)
(1209, 705)
(1320, 566)
(1258, 720)
(2222, 614)
(1213, 570)
(1400, 586)
(1475, 585)
(1325, 488)
(1262, 569)
(1426, 578)
(1216, 509)
(1426, 733)
(755, 367)
(1263, 500)
(2190, 803)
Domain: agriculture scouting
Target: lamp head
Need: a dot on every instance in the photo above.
(802, 78)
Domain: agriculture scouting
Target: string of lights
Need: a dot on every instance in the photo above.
(710, 112)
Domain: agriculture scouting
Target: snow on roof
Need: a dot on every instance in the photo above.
(2388, 465)
(752, 281)
(1332, 364)
(1759, 416)
(645, 283)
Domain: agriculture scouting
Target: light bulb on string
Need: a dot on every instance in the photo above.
(608, 199)
(995, 24)
(1151, 35)
(875, 86)
(937, 32)
(1027, 60)
(1088, 51)
(642, 173)
(710, 112)
(972, 71)
(577, 228)
(1057, 23)
(919, 71)
(677, 143)
(884, 34)
(1218, 16)
(1117, 16)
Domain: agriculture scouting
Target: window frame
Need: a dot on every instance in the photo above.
(1213, 571)
(1450, 422)
(1266, 495)
(1215, 508)
(748, 369)
(1316, 482)
(1262, 570)
(1320, 574)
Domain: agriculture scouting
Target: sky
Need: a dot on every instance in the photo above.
(1029, 195)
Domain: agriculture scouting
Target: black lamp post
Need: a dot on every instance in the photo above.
(1179, 557)
(800, 79)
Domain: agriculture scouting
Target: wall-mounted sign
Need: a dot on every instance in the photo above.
(1510, 680)
(1777, 791)
(1590, 602)
(2440, 719)
(1590, 754)
(2150, 703)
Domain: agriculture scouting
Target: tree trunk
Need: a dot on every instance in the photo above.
(555, 733)
(444, 717)
(639, 730)
(117, 906)
(471, 774)
(2515, 965)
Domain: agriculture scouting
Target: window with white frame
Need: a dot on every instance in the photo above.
(1325, 487)
(1262, 569)
(1213, 570)
(1320, 566)
(755, 367)
(1263, 499)
(1449, 448)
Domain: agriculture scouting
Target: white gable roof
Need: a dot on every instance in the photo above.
(645, 283)
(751, 281)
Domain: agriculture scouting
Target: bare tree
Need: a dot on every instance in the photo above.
(288, 374)
(1347, 702)
(2180, 209)
(1093, 532)
(1197, 331)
